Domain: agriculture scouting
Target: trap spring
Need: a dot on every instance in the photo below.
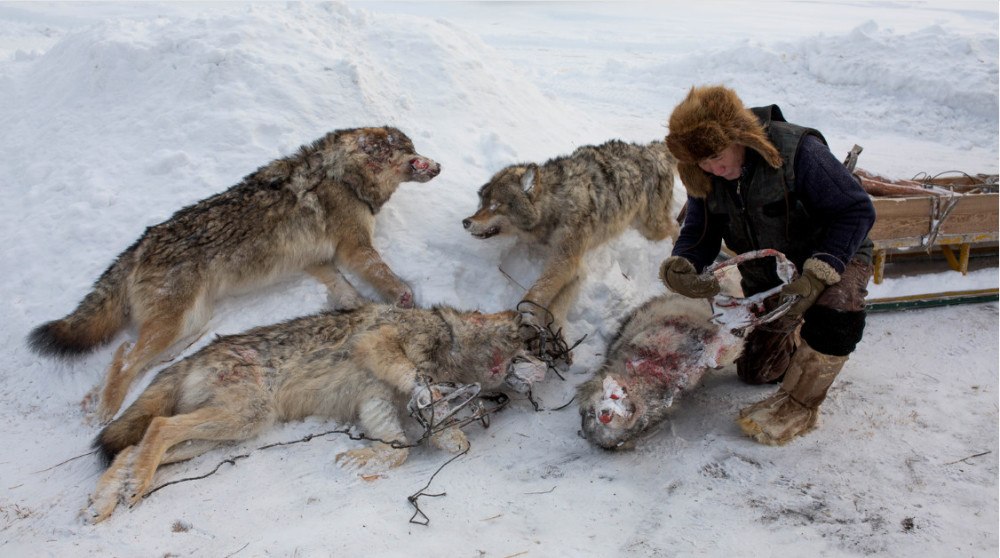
(740, 314)
(547, 345)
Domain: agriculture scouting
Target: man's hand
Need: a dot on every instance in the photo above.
(816, 276)
(679, 275)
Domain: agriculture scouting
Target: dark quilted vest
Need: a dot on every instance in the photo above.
(771, 215)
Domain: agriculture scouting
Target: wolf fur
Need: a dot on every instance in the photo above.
(660, 349)
(356, 366)
(312, 211)
(574, 203)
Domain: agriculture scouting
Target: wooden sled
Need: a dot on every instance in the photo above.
(931, 213)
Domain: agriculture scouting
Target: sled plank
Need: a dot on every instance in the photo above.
(974, 213)
(903, 217)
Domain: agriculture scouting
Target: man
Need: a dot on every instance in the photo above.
(756, 181)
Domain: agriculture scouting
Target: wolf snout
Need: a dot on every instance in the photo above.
(478, 228)
(425, 167)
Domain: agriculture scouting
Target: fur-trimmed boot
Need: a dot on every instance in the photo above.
(794, 409)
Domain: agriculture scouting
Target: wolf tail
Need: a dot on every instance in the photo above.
(101, 314)
(158, 400)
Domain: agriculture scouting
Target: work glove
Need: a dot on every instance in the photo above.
(679, 276)
(816, 276)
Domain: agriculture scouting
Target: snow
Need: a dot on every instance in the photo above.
(117, 114)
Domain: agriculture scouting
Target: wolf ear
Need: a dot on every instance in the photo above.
(529, 180)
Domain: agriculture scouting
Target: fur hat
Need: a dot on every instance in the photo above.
(708, 121)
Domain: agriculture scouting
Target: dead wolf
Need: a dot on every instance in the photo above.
(312, 211)
(574, 203)
(361, 365)
(660, 350)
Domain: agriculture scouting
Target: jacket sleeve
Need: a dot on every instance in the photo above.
(700, 238)
(836, 198)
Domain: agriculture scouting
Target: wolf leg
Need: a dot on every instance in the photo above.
(109, 488)
(560, 272)
(564, 299)
(658, 229)
(379, 418)
(555, 292)
(92, 401)
(154, 338)
(214, 423)
(357, 254)
(451, 440)
(342, 295)
(381, 353)
(655, 220)
(119, 483)
(188, 449)
(560, 309)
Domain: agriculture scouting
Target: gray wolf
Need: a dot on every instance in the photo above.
(661, 349)
(312, 211)
(574, 203)
(354, 366)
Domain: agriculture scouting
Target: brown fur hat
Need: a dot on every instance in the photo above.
(708, 121)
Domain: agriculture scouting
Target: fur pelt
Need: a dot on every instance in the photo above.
(661, 349)
(707, 121)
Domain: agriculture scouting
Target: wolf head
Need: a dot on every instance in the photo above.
(485, 346)
(388, 150)
(614, 413)
(507, 204)
(373, 162)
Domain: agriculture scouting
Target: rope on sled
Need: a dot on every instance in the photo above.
(983, 180)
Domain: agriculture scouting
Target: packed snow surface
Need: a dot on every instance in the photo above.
(115, 115)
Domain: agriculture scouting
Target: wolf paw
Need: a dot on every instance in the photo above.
(563, 361)
(525, 373)
(423, 397)
(132, 492)
(451, 440)
(375, 458)
(343, 301)
(527, 326)
(405, 299)
(89, 404)
(100, 505)
(94, 513)
(427, 401)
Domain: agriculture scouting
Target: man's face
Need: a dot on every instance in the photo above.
(725, 163)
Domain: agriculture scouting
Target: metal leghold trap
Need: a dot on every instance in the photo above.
(738, 314)
(436, 414)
